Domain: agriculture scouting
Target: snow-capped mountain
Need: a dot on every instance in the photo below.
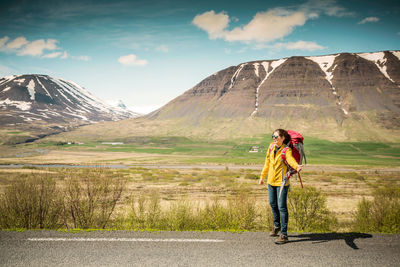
(356, 92)
(41, 98)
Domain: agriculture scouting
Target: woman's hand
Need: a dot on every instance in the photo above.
(261, 181)
(299, 168)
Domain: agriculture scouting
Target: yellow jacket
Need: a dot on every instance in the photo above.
(274, 166)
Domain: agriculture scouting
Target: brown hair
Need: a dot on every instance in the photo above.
(285, 134)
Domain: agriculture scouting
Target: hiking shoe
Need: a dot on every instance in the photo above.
(274, 231)
(282, 239)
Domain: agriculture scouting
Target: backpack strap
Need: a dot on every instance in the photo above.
(271, 147)
(289, 170)
(283, 155)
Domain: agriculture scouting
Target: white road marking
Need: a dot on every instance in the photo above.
(123, 240)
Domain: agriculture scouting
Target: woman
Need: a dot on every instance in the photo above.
(276, 169)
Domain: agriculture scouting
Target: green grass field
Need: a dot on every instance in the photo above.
(190, 151)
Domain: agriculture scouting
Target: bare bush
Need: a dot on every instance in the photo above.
(90, 199)
(32, 201)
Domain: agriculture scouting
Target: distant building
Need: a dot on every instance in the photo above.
(254, 149)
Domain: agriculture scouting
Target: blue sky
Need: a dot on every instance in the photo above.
(148, 52)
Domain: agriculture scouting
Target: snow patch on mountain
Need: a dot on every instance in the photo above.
(6, 79)
(43, 87)
(82, 92)
(396, 53)
(256, 65)
(78, 116)
(79, 93)
(22, 105)
(277, 63)
(20, 81)
(31, 89)
(326, 65)
(266, 64)
(235, 75)
(380, 61)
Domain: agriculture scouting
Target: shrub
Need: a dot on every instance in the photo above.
(181, 216)
(239, 213)
(145, 212)
(32, 201)
(382, 214)
(308, 211)
(90, 199)
(214, 216)
(243, 212)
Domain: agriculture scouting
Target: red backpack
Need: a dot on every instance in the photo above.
(296, 144)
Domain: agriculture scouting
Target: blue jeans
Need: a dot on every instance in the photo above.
(279, 207)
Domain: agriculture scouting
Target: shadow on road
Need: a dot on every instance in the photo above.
(319, 238)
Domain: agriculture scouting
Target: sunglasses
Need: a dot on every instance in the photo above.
(275, 136)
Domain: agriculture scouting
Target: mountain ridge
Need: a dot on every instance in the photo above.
(339, 90)
(337, 97)
(45, 105)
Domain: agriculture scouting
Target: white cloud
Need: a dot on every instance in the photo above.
(36, 48)
(369, 19)
(299, 45)
(132, 60)
(162, 48)
(52, 55)
(269, 25)
(213, 24)
(22, 47)
(264, 27)
(17, 43)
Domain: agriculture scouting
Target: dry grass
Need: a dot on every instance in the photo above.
(82, 158)
(343, 187)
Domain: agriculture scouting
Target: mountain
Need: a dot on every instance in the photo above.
(51, 104)
(339, 95)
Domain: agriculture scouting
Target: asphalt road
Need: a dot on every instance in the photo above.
(128, 248)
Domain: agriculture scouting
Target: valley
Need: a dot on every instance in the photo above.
(210, 142)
